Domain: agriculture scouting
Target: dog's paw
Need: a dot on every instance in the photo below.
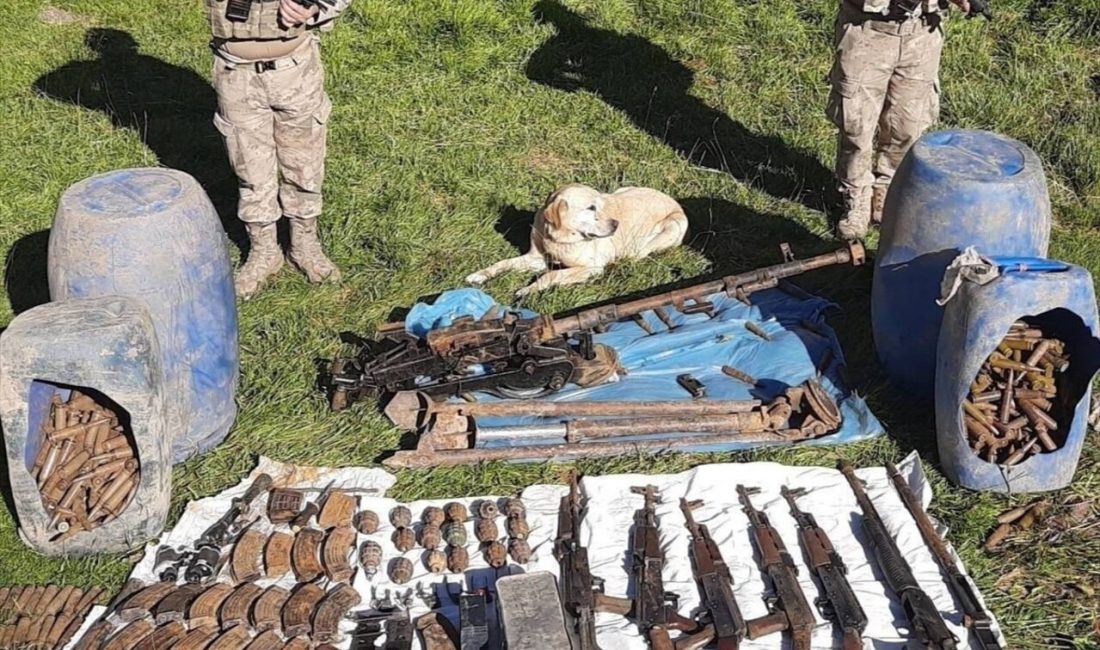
(477, 278)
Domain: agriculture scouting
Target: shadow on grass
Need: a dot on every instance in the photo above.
(25, 275)
(653, 89)
(169, 107)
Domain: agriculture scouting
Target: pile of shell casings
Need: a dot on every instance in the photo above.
(85, 468)
(43, 617)
(1007, 412)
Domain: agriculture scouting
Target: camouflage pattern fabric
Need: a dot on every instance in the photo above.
(273, 118)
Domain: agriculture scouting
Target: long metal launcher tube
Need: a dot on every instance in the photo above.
(737, 285)
(578, 430)
(573, 451)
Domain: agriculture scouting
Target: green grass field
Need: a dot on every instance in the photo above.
(453, 120)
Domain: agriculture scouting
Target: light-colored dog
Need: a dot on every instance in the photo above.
(582, 231)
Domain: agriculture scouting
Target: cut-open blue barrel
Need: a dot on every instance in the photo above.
(1055, 297)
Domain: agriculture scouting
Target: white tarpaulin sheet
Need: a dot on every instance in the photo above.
(605, 530)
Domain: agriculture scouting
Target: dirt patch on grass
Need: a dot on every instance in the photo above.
(55, 16)
(545, 160)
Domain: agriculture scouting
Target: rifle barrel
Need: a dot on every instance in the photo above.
(974, 615)
(739, 285)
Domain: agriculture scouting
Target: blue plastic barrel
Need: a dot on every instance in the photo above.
(1061, 300)
(153, 235)
(953, 190)
(107, 349)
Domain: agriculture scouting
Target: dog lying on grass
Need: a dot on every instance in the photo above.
(579, 231)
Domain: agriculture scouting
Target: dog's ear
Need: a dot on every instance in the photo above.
(555, 211)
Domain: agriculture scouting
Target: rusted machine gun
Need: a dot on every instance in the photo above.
(517, 357)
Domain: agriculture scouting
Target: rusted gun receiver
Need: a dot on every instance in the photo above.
(655, 609)
(925, 623)
(975, 616)
(726, 625)
(200, 562)
(528, 357)
(838, 602)
(792, 612)
(581, 594)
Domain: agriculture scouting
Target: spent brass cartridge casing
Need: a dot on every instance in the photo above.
(113, 498)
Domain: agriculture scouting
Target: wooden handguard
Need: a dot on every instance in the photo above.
(336, 551)
(304, 556)
(165, 636)
(234, 638)
(235, 609)
(174, 606)
(269, 640)
(198, 638)
(267, 611)
(298, 611)
(277, 554)
(129, 636)
(141, 603)
(205, 607)
(338, 510)
(244, 563)
(283, 504)
(326, 620)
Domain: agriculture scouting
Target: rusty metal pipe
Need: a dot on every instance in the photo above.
(737, 286)
(411, 409)
(575, 451)
(578, 430)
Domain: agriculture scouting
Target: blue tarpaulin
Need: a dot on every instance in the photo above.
(699, 345)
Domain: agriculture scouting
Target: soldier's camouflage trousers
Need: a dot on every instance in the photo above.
(885, 79)
(273, 119)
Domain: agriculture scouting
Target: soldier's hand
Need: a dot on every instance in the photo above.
(962, 4)
(293, 13)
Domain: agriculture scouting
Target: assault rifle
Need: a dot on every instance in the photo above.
(655, 609)
(974, 615)
(581, 594)
(791, 611)
(200, 562)
(925, 623)
(514, 356)
(838, 603)
(726, 625)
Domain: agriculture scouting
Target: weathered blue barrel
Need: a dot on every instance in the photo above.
(107, 349)
(953, 190)
(153, 235)
(1060, 299)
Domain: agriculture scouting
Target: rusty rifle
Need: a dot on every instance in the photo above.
(528, 357)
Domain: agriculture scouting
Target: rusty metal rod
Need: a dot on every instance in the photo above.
(573, 451)
(408, 409)
(578, 430)
(736, 286)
